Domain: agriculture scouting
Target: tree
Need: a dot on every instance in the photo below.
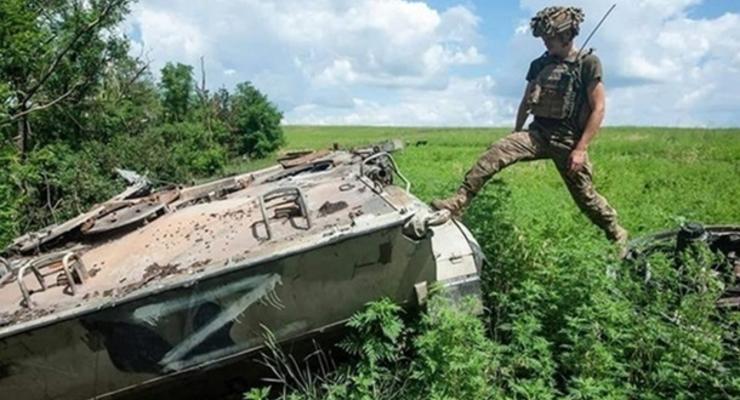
(51, 53)
(254, 121)
(177, 86)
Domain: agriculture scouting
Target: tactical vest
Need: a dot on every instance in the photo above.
(555, 93)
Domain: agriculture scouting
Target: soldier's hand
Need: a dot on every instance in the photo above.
(576, 161)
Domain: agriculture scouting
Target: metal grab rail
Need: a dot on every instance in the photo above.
(300, 200)
(79, 268)
(393, 164)
(24, 290)
(67, 268)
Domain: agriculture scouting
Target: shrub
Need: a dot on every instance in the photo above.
(254, 121)
(453, 358)
(192, 148)
(10, 198)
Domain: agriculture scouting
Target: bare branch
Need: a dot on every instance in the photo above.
(60, 56)
(15, 117)
(138, 74)
(203, 75)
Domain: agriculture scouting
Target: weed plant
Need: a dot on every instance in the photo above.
(565, 318)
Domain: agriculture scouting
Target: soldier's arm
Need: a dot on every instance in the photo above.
(523, 111)
(597, 101)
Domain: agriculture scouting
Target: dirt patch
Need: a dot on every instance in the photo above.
(199, 266)
(233, 214)
(91, 295)
(152, 272)
(156, 271)
(24, 315)
(5, 319)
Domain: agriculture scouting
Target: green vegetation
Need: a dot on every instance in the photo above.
(565, 318)
(74, 105)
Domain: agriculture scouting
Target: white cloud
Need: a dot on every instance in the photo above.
(405, 62)
(318, 56)
(374, 41)
(464, 102)
(172, 35)
(664, 67)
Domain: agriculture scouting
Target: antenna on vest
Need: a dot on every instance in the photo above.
(595, 29)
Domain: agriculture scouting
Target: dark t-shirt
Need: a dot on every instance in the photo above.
(569, 129)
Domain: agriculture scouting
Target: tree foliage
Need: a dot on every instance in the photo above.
(177, 86)
(54, 57)
(254, 121)
(75, 105)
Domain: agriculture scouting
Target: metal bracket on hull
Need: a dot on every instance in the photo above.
(79, 268)
(67, 268)
(294, 197)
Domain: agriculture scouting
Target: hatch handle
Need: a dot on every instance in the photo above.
(78, 266)
(298, 198)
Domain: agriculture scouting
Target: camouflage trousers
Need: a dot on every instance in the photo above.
(534, 145)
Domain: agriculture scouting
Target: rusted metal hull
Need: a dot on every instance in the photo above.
(159, 338)
(199, 288)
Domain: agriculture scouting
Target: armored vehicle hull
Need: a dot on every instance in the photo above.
(153, 286)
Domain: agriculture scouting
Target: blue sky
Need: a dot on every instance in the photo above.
(447, 62)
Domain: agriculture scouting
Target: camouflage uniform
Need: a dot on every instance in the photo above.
(537, 145)
(549, 138)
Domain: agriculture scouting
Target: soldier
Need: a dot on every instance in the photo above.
(565, 93)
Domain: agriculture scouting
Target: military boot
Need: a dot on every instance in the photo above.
(454, 204)
(620, 237)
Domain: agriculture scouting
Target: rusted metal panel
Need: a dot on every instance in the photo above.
(34, 241)
(301, 158)
(174, 280)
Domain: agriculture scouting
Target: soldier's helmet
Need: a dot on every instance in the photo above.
(555, 21)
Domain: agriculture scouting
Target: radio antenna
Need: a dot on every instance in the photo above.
(609, 11)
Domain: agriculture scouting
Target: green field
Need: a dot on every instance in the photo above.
(565, 318)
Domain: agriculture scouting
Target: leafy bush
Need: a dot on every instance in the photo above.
(56, 182)
(177, 87)
(192, 147)
(75, 105)
(443, 355)
(576, 323)
(10, 198)
(452, 357)
(255, 122)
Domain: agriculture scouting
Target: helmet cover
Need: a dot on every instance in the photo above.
(554, 21)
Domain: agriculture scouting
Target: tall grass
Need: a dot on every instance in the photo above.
(565, 318)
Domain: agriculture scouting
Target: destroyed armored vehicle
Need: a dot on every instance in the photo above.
(154, 285)
(721, 240)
